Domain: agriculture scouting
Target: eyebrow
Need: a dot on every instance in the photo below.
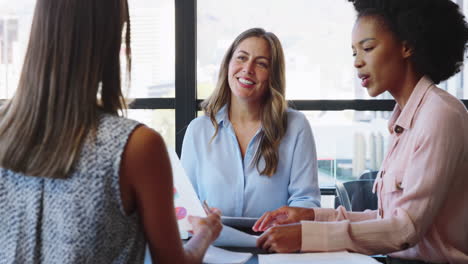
(259, 57)
(364, 40)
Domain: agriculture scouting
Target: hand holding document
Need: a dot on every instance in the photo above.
(185, 199)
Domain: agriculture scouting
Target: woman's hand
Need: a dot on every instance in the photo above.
(281, 239)
(283, 215)
(209, 226)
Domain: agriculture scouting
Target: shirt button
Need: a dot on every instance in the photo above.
(399, 186)
(404, 246)
(398, 129)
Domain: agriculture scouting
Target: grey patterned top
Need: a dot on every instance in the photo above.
(76, 220)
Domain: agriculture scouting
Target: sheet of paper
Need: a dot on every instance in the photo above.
(216, 255)
(322, 258)
(231, 237)
(185, 199)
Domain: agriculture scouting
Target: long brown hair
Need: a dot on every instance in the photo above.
(273, 116)
(71, 70)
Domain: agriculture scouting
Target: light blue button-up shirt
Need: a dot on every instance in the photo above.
(233, 184)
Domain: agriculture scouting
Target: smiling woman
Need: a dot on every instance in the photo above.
(232, 155)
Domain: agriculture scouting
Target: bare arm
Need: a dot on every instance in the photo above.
(146, 186)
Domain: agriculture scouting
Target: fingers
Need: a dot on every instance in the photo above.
(214, 222)
(193, 219)
(262, 240)
(267, 242)
(269, 219)
(257, 224)
(214, 210)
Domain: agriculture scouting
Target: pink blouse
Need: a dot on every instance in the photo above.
(422, 188)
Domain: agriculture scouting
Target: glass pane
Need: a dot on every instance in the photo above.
(316, 37)
(15, 25)
(348, 143)
(153, 46)
(161, 120)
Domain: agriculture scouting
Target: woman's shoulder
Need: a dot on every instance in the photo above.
(201, 122)
(443, 107)
(296, 119)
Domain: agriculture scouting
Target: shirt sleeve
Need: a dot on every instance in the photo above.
(434, 160)
(189, 158)
(303, 186)
(340, 213)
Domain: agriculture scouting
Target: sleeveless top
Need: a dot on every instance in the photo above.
(75, 220)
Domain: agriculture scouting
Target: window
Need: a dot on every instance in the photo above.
(316, 38)
(15, 25)
(153, 48)
(348, 143)
(161, 120)
(315, 35)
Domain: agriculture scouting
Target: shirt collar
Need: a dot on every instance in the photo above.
(222, 117)
(404, 118)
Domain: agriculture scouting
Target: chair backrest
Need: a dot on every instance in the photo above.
(368, 174)
(356, 195)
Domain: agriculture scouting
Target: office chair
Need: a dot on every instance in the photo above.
(368, 174)
(356, 195)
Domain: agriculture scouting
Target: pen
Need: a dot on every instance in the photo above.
(206, 207)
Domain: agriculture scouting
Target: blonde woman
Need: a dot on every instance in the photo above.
(78, 183)
(250, 153)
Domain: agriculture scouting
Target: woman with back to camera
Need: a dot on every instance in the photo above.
(404, 47)
(78, 183)
(250, 153)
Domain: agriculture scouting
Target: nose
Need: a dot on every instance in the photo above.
(249, 67)
(358, 61)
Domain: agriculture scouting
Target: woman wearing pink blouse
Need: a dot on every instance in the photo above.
(404, 47)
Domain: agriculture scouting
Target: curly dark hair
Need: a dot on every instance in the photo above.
(436, 30)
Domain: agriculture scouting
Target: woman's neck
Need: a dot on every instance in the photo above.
(244, 112)
(404, 91)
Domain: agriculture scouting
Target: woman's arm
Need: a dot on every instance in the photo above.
(437, 155)
(147, 186)
(303, 186)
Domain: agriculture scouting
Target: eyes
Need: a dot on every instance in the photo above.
(259, 62)
(365, 49)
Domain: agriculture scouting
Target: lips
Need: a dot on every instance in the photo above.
(246, 82)
(364, 79)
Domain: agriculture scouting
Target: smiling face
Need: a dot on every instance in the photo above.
(249, 70)
(380, 58)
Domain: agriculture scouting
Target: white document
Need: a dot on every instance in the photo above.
(185, 199)
(216, 255)
(231, 237)
(322, 258)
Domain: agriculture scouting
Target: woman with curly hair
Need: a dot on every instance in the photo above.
(250, 153)
(404, 47)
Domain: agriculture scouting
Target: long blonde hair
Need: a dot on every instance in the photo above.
(72, 59)
(273, 116)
